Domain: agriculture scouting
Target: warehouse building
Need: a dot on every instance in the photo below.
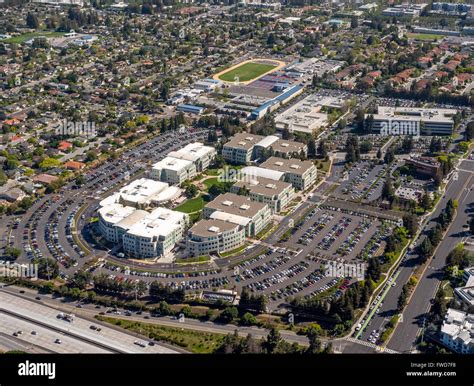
(253, 216)
(276, 194)
(173, 170)
(301, 174)
(214, 236)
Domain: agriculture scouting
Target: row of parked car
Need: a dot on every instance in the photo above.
(315, 229)
(279, 277)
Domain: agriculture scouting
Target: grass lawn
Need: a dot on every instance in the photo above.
(198, 259)
(25, 37)
(194, 341)
(212, 172)
(246, 72)
(193, 205)
(235, 251)
(209, 182)
(424, 36)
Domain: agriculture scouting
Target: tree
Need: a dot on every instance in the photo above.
(248, 319)
(47, 268)
(410, 221)
(229, 314)
(425, 249)
(191, 191)
(13, 253)
(352, 149)
(314, 344)
(32, 21)
(322, 149)
(387, 190)
(273, 340)
(81, 279)
(389, 155)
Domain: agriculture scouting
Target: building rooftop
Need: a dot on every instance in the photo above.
(171, 163)
(459, 326)
(267, 141)
(114, 213)
(287, 147)
(264, 186)
(142, 190)
(244, 141)
(415, 113)
(209, 228)
(192, 152)
(160, 222)
(295, 166)
(236, 205)
(252, 172)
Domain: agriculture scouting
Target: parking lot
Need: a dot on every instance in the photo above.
(363, 182)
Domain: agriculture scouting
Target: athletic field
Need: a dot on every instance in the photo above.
(246, 72)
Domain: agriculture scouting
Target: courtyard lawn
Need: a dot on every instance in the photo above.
(246, 72)
(190, 206)
(211, 181)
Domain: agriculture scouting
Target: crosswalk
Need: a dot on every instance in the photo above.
(373, 346)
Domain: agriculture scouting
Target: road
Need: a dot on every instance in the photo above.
(406, 333)
(88, 311)
(19, 312)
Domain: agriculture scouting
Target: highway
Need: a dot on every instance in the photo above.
(19, 313)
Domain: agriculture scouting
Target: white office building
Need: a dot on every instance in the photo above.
(214, 236)
(412, 121)
(155, 234)
(276, 194)
(253, 216)
(173, 170)
(201, 155)
(457, 331)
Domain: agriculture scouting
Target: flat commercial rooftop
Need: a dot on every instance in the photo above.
(209, 228)
(171, 163)
(236, 205)
(264, 186)
(295, 166)
(192, 152)
(244, 141)
(160, 222)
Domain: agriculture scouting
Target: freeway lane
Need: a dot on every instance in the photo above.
(45, 318)
(406, 333)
